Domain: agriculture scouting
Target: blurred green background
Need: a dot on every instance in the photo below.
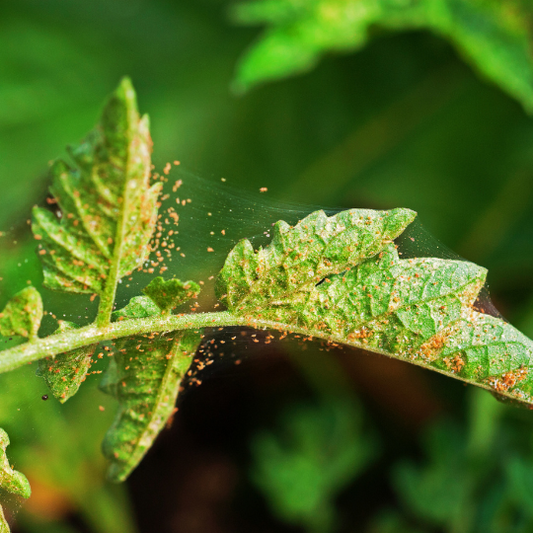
(432, 117)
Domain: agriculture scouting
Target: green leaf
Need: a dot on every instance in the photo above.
(494, 35)
(4, 526)
(108, 210)
(301, 256)
(312, 455)
(443, 491)
(137, 307)
(11, 480)
(22, 315)
(145, 376)
(67, 371)
(417, 310)
(171, 293)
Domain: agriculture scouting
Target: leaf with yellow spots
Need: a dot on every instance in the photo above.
(299, 257)
(138, 307)
(337, 278)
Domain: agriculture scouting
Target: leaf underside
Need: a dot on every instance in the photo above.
(67, 371)
(145, 376)
(22, 314)
(168, 294)
(417, 310)
(11, 480)
(494, 35)
(107, 208)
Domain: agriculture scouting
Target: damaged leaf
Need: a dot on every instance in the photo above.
(171, 293)
(137, 307)
(11, 481)
(144, 376)
(65, 373)
(23, 314)
(107, 209)
(418, 310)
(299, 257)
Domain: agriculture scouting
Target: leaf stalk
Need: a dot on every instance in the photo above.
(59, 343)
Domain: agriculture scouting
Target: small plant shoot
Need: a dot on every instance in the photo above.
(336, 278)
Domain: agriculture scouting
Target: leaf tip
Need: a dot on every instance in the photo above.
(125, 89)
(399, 219)
(168, 294)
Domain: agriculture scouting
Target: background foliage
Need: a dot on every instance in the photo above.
(423, 118)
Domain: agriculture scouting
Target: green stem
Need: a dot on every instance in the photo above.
(107, 299)
(92, 334)
(105, 308)
(60, 343)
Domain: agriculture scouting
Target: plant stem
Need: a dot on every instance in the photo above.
(56, 344)
(105, 307)
(107, 299)
(60, 343)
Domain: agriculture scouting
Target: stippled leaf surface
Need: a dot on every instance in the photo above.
(67, 371)
(145, 376)
(299, 257)
(418, 310)
(168, 294)
(22, 314)
(107, 207)
(137, 307)
(11, 480)
(494, 35)
(4, 526)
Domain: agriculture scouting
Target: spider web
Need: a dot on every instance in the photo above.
(200, 221)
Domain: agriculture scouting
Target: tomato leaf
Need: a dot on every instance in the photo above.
(67, 371)
(299, 257)
(145, 376)
(22, 314)
(11, 480)
(107, 208)
(493, 35)
(170, 293)
(137, 307)
(417, 310)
